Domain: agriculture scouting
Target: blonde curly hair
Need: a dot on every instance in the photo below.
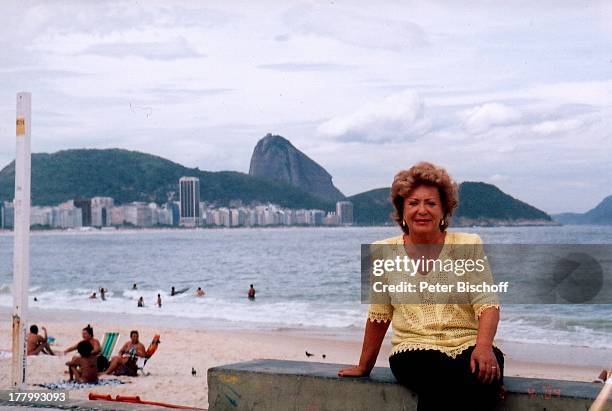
(424, 174)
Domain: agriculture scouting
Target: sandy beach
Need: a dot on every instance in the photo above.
(202, 347)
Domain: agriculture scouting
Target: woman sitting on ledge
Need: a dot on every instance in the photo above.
(443, 352)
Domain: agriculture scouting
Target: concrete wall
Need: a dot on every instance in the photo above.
(293, 385)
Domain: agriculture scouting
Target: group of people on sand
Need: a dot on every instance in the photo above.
(85, 367)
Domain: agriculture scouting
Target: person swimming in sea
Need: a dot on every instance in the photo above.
(141, 302)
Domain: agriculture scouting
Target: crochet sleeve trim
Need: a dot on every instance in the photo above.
(481, 308)
(379, 317)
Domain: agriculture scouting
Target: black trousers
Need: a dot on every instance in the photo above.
(443, 383)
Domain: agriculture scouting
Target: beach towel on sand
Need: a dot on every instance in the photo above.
(71, 385)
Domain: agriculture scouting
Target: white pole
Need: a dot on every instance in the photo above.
(21, 250)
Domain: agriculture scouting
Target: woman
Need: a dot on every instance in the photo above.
(88, 336)
(444, 352)
(125, 362)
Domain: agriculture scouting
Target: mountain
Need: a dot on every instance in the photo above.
(372, 207)
(482, 203)
(133, 176)
(601, 214)
(276, 159)
(479, 204)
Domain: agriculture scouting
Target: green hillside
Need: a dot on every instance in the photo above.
(132, 176)
(479, 203)
(485, 201)
(372, 207)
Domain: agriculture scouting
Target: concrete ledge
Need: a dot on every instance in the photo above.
(295, 385)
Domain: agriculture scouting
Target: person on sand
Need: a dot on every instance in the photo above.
(200, 292)
(37, 343)
(88, 335)
(83, 368)
(251, 293)
(159, 302)
(93, 296)
(140, 302)
(125, 362)
(444, 352)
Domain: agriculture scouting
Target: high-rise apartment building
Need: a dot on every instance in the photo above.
(344, 211)
(189, 198)
(85, 205)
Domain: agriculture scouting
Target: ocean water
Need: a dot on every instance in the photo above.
(304, 277)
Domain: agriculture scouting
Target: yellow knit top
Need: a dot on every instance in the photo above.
(449, 328)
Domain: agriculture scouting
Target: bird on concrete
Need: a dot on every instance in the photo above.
(309, 354)
(193, 371)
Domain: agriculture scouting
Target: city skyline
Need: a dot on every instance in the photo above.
(493, 96)
(189, 211)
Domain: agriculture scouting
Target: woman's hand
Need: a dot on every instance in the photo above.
(484, 359)
(353, 372)
(372, 340)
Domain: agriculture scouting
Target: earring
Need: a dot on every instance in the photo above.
(404, 223)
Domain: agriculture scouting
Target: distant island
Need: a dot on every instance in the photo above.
(600, 215)
(279, 174)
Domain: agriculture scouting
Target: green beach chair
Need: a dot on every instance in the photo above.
(108, 344)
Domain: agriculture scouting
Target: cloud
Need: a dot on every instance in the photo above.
(305, 67)
(498, 178)
(177, 95)
(354, 28)
(556, 127)
(173, 50)
(397, 117)
(483, 117)
(282, 37)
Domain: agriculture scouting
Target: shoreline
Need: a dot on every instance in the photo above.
(459, 225)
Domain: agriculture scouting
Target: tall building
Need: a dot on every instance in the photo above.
(85, 205)
(174, 207)
(9, 215)
(138, 214)
(344, 211)
(100, 211)
(189, 198)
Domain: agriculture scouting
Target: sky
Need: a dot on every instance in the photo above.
(515, 93)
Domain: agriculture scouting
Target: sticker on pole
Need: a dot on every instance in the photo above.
(20, 126)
